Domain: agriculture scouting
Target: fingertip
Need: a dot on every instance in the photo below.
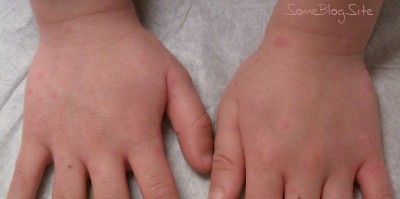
(197, 149)
(227, 176)
(207, 161)
(205, 165)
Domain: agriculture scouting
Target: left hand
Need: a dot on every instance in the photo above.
(303, 129)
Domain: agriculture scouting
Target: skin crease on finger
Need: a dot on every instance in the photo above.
(94, 104)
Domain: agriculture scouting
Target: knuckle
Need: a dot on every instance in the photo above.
(20, 179)
(268, 159)
(59, 195)
(108, 189)
(185, 74)
(33, 130)
(110, 194)
(160, 190)
(145, 143)
(385, 194)
(312, 160)
(223, 162)
(202, 121)
(97, 170)
(269, 153)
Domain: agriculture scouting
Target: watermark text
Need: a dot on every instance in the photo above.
(328, 9)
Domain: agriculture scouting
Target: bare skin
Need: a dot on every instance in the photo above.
(300, 117)
(96, 94)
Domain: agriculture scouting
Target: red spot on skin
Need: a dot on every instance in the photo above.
(285, 125)
(292, 190)
(258, 60)
(68, 30)
(96, 170)
(47, 86)
(40, 75)
(29, 92)
(282, 42)
(54, 95)
(236, 83)
(108, 6)
(267, 31)
(369, 87)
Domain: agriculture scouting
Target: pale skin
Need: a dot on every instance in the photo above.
(299, 119)
(97, 91)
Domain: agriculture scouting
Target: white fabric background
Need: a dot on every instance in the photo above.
(211, 38)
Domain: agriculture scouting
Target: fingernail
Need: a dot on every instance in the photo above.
(207, 157)
(215, 194)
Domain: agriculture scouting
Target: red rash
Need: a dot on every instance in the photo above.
(54, 95)
(40, 76)
(267, 31)
(68, 30)
(29, 92)
(282, 42)
(285, 125)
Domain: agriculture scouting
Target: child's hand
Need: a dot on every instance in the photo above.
(297, 126)
(94, 106)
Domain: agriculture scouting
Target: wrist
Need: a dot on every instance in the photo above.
(281, 39)
(55, 11)
(83, 23)
(312, 52)
(312, 28)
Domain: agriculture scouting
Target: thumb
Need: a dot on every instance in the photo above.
(228, 169)
(190, 120)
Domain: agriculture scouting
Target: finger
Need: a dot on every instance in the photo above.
(374, 180)
(264, 184)
(304, 186)
(227, 176)
(339, 186)
(190, 120)
(70, 174)
(32, 161)
(108, 177)
(151, 169)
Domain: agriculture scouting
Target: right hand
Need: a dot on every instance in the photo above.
(94, 106)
